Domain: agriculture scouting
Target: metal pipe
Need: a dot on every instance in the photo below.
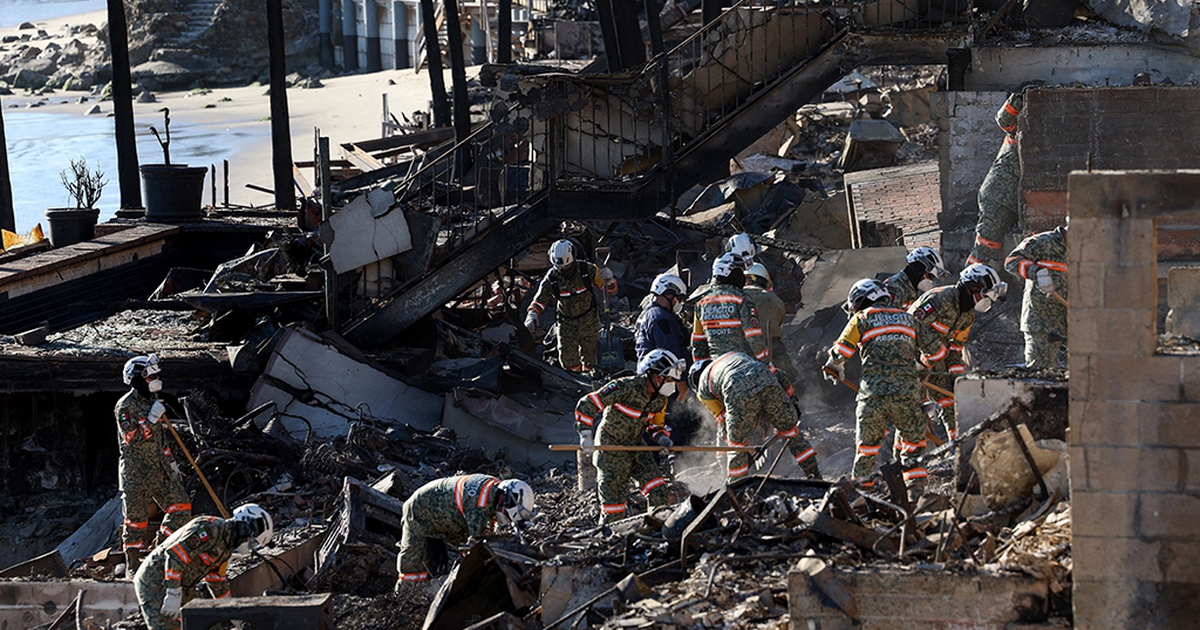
(122, 93)
(281, 141)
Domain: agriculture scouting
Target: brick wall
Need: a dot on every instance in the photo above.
(1061, 130)
(893, 203)
(1134, 415)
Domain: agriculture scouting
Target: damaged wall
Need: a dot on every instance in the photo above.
(1006, 67)
(1133, 410)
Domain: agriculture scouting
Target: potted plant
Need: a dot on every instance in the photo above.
(73, 225)
(173, 191)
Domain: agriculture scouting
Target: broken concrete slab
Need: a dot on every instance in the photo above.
(493, 429)
(366, 230)
(94, 534)
(980, 396)
(47, 565)
(1169, 16)
(870, 144)
(277, 611)
(33, 604)
(918, 599)
(317, 388)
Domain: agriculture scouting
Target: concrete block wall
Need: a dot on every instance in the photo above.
(906, 197)
(1134, 432)
(1106, 128)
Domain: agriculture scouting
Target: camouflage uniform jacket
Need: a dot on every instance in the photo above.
(770, 309)
(904, 293)
(887, 338)
(575, 290)
(143, 444)
(726, 321)
(1046, 250)
(943, 325)
(734, 373)
(454, 508)
(621, 411)
(199, 550)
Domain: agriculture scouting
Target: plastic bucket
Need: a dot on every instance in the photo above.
(173, 192)
(71, 225)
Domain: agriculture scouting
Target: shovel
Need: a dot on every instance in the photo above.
(609, 352)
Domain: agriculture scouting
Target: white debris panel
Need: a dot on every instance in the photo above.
(365, 231)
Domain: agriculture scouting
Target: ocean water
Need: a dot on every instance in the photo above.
(42, 143)
(14, 12)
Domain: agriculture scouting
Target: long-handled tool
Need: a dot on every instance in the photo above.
(1061, 300)
(196, 467)
(941, 390)
(638, 448)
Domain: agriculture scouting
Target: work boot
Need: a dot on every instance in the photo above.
(810, 468)
(916, 489)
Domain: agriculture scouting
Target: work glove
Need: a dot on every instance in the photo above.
(1045, 283)
(838, 369)
(608, 279)
(664, 440)
(587, 445)
(174, 465)
(531, 322)
(172, 602)
(157, 411)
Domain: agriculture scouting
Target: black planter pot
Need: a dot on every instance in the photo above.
(173, 191)
(71, 225)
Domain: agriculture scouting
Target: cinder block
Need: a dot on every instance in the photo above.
(1135, 378)
(1085, 284)
(1182, 559)
(1131, 286)
(1169, 424)
(1116, 468)
(1137, 242)
(1103, 514)
(1191, 378)
(1103, 423)
(1101, 604)
(1117, 559)
(1168, 515)
(1077, 469)
(1092, 240)
(1191, 481)
(1112, 331)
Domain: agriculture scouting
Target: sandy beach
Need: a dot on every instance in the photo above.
(347, 109)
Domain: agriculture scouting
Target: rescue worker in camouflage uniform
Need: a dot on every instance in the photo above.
(659, 325)
(1041, 260)
(889, 389)
(578, 286)
(199, 550)
(924, 267)
(726, 320)
(148, 477)
(741, 392)
(620, 413)
(944, 318)
(771, 313)
(454, 510)
(1001, 188)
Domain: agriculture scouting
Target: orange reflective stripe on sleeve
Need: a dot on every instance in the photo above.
(990, 244)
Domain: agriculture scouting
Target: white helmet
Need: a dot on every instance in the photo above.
(668, 282)
(760, 271)
(986, 279)
(863, 294)
(518, 501)
(664, 362)
(562, 253)
(261, 526)
(143, 366)
(741, 245)
(726, 263)
(931, 259)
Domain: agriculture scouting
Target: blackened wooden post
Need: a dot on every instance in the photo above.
(8, 217)
(504, 31)
(629, 33)
(325, 185)
(458, 72)
(608, 31)
(433, 55)
(655, 26)
(122, 93)
(281, 139)
(710, 10)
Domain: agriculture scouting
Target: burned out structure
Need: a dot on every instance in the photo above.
(337, 385)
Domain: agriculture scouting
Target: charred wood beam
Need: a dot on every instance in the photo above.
(458, 72)
(433, 55)
(281, 140)
(122, 92)
(654, 25)
(629, 33)
(8, 220)
(457, 274)
(608, 31)
(504, 54)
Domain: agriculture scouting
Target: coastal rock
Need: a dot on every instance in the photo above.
(95, 109)
(146, 97)
(26, 26)
(41, 65)
(25, 78)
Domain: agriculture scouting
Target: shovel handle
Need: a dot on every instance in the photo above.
(841, 380)
(196, 467)
(673, 449)
(1061, 300)
(941, 390)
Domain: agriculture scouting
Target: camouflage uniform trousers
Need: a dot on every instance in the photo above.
(151, 588)
(146, 486)
(997, 206)
(746, 410)
(577, 341)
(615, 469)
(904, 412)
(421, 527)
(1042, 348)
(782, 359)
